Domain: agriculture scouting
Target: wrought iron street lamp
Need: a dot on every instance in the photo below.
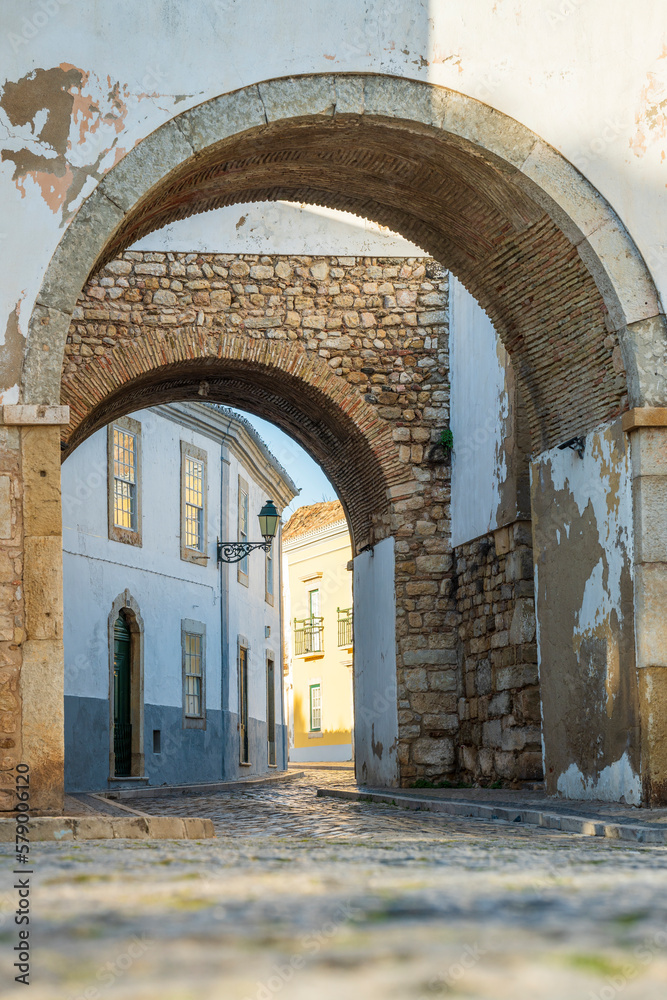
(231, 552)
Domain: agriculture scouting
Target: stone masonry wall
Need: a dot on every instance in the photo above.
(12, 612)
(379, 328)
(499, 732)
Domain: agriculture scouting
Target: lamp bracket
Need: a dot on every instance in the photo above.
(577, 444)
(231, 552)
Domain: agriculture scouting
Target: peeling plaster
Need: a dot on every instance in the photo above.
(617, 782)
(584, 563)
(11, 355)
(76, 121)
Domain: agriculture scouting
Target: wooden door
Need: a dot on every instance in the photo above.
(122, 728)
(243, 704)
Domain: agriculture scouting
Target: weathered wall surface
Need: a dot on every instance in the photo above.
(378, 323)
(76, 100)
(375, 325)
(489, 460)
(498, 707)
(378, 752)
(582, 526)
(279, 228)
(12, 623)
(167, 590)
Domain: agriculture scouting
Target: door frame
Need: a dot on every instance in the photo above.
(127, 604)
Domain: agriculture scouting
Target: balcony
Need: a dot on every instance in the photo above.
(308, 635)
(345, 631)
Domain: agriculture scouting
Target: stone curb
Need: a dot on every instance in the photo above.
(110, 828)
(589, 827)
(156, 791)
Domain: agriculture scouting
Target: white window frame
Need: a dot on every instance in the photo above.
(194, 628)
(188, 553)
(119, 533)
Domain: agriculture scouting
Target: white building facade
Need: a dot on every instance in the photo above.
(172, 658)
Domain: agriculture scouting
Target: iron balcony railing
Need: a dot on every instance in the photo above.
(308, 635)
(345, 632)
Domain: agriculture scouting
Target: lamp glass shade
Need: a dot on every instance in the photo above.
(268, 520)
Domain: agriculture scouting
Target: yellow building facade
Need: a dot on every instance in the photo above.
(318, 634)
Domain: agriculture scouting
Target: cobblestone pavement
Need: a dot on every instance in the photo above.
(301, 897)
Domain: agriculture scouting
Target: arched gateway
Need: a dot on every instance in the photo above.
(574, 305)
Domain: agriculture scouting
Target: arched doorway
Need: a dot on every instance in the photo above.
(126, 688)
(526, 234)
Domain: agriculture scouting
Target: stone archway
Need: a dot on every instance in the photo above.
(539, 248)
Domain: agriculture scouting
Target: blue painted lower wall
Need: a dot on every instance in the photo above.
(257, 746)
(187, 756)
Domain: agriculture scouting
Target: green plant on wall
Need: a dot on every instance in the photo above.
(447, 439)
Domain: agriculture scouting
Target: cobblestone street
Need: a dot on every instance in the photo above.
(300, 896)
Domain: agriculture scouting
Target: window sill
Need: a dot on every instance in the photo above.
(311, 656)
(245, 763)
(315, 736)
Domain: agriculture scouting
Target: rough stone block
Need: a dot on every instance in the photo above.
(197, 828)
(5, 507)
(529, 766)
(648, 448)
(93, 828)
(529, 705)
(442, 680)
(519, 565)
(502, 540)
(499, 704)
(522, 629)
(484, 677)
(505, 765)
(517, 676)
(492, 733)
(40, 458)
(650, 518)
(131, 827)
(298, 96)
(419, 657)
(416, 680)
(42, 688)
(43, 587)
(222, 117)
(650, 619)
(438, 752)
(51, 827)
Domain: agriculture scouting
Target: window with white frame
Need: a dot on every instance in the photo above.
(193, 647)
(124, 481)
(315, 708)
(193, 502)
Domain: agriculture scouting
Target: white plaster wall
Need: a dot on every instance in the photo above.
(375, 691)
(249, 612)
(167, 589)
(588, 76)
(279, 227)
(478, 413)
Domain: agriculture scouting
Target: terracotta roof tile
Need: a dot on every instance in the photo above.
(312, 518)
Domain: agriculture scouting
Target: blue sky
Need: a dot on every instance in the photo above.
(306, 473)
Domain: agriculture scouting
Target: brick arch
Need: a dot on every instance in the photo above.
(274, 380)
(540, 249)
